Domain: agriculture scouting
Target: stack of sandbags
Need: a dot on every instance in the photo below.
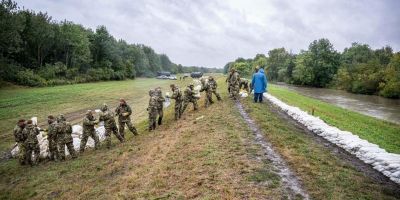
(384, 162)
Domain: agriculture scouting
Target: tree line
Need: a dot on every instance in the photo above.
(358, 69)
(38, 51)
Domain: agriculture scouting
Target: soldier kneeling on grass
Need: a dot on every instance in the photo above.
(109, 124)
(64, 138)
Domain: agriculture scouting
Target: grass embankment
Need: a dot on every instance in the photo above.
(209, 158)
(71, 100)
(324, 175)
(380, 132)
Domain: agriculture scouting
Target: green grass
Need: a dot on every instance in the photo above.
(323, 174)
(380, 132)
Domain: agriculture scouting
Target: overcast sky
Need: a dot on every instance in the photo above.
(211, 32)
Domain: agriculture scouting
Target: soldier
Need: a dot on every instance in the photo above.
(88, 130)
(109, 124)
(213, 85)
(52, 137)
(20, 139)
(234, 84)
(244, 83)
(124, 112)
(31, 142)
(64, 131)
(160, 106)
(206, 87)
(177, 95)
(189, 98)
(153, 110)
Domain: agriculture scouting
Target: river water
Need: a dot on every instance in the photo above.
(372, 105)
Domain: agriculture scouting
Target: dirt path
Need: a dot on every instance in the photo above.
(290, 181)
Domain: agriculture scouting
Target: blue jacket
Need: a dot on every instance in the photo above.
(259, 82)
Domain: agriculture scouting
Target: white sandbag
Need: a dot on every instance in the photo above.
(384, 162)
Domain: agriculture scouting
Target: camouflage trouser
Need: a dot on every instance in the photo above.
(32, 148)
(208, 100)
(234, 91)
(70, 147)
(178, 108)
(214, 91)
(53, 148)
(109, 131)
(160, 112)
(122, 127)
(22, 153)
(152, 118)
(85, 137)
(186, 103)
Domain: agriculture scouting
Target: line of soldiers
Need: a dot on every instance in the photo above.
(181, 101)
(59, 133)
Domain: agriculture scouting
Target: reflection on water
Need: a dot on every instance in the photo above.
(375, 106)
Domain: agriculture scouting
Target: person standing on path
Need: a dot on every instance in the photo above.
(259, 84)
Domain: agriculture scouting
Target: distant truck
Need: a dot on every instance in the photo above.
(196, 74)
(163, 73)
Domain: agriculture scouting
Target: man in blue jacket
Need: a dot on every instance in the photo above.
(259, 84)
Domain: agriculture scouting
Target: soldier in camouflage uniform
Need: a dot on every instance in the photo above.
(109, 124)
(213, 85)
(20, 139)
(205, 87)
(177, 95)
(52, 138)
(244, 83)
(234, 84)
(152, 109)
(64, 131)
(31, 142)
(88, 130)
(160, 106)
(124, 112)
(189, 97)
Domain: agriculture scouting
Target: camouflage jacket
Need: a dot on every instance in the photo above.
(177, 94)
(32, 132)
(234, 79)
(19, 134)
(108, 118)
(160, 101)
(189, 94)
(213, 84)
(52, 131)
(88, 124)
(123, 109)
(64, 131)
(153, 104)
(205, 87)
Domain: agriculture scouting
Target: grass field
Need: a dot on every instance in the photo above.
(383, 133)
(213, 157)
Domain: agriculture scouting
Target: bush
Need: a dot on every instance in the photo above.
(29, 78)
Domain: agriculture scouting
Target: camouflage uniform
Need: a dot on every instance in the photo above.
(52, 138)
(88, 130)
(244, 83)
(213, 85)
(31, 143)
(189, 98)
(234, 85)
(153, 110)
(20, 139)
(64, 138)
(110, 125)
(206, 87)
(124, 112)
(177, 95)
(160, 106)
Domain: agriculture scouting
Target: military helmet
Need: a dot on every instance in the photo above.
(210, 78)
(104, 107)
(151, 92)
(89, 113)
(172, 85)
(61, 118)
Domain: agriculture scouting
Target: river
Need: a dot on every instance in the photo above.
(372, 105)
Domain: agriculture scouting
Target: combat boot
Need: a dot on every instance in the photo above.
(159, 121)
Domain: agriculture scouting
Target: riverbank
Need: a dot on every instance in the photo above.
(376, 131)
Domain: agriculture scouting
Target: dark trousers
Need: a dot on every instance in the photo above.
(258, 97)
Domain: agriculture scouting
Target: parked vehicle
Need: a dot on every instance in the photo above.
(196, 74)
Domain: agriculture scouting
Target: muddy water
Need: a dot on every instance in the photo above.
(289, 179)
(375, 106)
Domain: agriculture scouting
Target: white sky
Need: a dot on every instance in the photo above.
(211, 33)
